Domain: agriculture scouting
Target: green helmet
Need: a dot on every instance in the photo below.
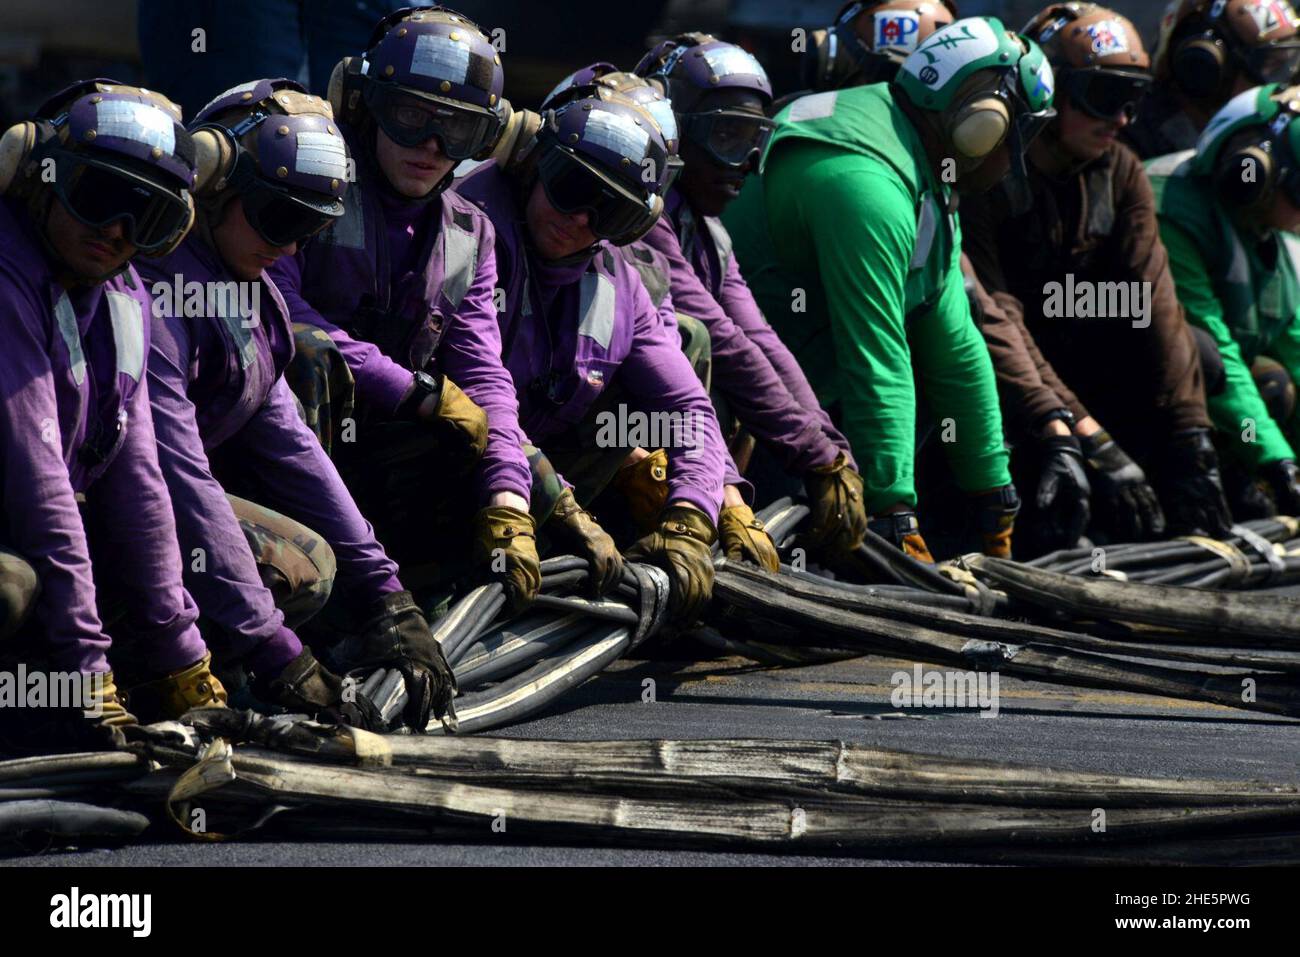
(1259, 106)
(934, 72)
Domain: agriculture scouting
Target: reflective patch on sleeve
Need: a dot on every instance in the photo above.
(732, 60)
(927, 225)
(616, 133)
(127, 317)
(135, 121)
(441, 58)
(67, 322)
(321, 154)
(815, 106)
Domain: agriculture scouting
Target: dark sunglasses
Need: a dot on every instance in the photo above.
(97, 194)
(410, 121)
(1106, 93)
(730, 137)
(572, 186)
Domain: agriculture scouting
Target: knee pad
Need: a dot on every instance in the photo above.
(19, 588)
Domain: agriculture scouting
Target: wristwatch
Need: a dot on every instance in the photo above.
(425, 386)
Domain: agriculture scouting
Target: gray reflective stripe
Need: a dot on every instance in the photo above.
(1171, 165)
(1238, 271)
(349, 231)
(597, 304)
(1291, 243)
(67, 320)
(239, 326)
(815, 106)
(127, 318)
(927, 223)
(460, 262)
(721, 240)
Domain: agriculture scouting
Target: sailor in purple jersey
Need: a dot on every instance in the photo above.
(224, 414)
(577, 322)
(720, 95)
(402, 287)
(87, 521)
(741, 535)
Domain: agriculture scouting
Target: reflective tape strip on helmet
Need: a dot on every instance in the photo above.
(597, 308)
(140, 122)
(321, 154)
(66, 318)
(127, 317)
(460, 261)
(441, 58)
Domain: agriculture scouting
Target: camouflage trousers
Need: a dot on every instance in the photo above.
(295, 565)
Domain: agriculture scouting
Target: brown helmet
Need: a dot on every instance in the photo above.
(1204, 44)
(868, 40)
(1097, 56)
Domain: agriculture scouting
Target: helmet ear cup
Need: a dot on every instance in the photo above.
(979, 126)
(15, 150)
(345, 87)
(517, 140)
(1246, 177)
(1199, 65)
(214, 155)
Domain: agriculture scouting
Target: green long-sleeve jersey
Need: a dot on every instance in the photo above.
(1244, 291)
(849, 244)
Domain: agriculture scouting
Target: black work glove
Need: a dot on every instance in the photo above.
(1195, 503)
(680, 546)
(1063, 494)
(1126, 506)
(307, 686)
(398, 636)
(1283, 480)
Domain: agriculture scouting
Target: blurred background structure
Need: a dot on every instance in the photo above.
(194, 49)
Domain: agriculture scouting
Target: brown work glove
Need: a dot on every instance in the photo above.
(103, 725)
(178, 692)
(459, 426)
(680, 546)
(839, 512)
(397, 635)
(307, 686)
(996, 516)
(744, 538)
(573, 528)
(903, 531)
(645, 486)
(505, 539)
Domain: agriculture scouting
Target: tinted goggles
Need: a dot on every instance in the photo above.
(280, 217)
(572, 186)
(411, 121)
(1272, 62)
(1106, 94)
(730, 137)
(98, 194)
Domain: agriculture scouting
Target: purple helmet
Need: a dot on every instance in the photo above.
(287, 160)
(691, 66)
(120, 153)
(429, 72)
(603, 79)
(605, 155)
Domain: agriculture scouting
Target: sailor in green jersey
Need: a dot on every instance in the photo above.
(1227, 212)
(850, 244)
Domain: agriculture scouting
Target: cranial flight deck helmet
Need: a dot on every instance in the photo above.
(108, 152)
(277, 148)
